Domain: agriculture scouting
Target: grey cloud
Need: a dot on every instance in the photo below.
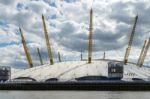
(7, 2)
(126, 11)
(103, 40)
(68, 27)
(67, 33)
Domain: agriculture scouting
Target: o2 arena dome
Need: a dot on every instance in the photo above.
(84, 70)
(81, 70)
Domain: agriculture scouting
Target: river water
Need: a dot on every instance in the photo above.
(74, 95)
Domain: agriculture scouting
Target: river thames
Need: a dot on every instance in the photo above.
(74, 95)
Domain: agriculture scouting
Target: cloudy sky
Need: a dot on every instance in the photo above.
(67, 23)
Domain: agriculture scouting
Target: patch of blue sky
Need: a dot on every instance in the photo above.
(70, 1)
(8, 44)
(54, 16)
(3, 23)
(147, 63)
(51, 2)
(71, 58)
(20, 6)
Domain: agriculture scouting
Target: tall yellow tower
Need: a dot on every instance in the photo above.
(130, 41)
(90, 37)
(40, 57)
(59, 57)
(141, 54)
(47, 42)
(29, 59)
(145, 52)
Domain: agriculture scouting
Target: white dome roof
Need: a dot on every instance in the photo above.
(66, 71)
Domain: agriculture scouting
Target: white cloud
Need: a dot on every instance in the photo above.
(67, 23)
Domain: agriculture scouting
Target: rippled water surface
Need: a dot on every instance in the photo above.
(73, 95)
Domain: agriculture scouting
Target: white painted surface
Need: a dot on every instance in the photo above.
(74, 69)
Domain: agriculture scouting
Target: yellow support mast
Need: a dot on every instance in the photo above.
(29, 59)
(59, 57)
(81, 57)
(90, 37)
(40, 57)
(130, 41)
(141, 54)
(104, 55)
(47, 42)
(145, 52)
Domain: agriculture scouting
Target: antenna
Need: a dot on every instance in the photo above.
(29, 59)
(47, 42)
(40, 57)
(90, 37)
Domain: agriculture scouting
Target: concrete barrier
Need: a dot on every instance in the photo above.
(102, 85)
